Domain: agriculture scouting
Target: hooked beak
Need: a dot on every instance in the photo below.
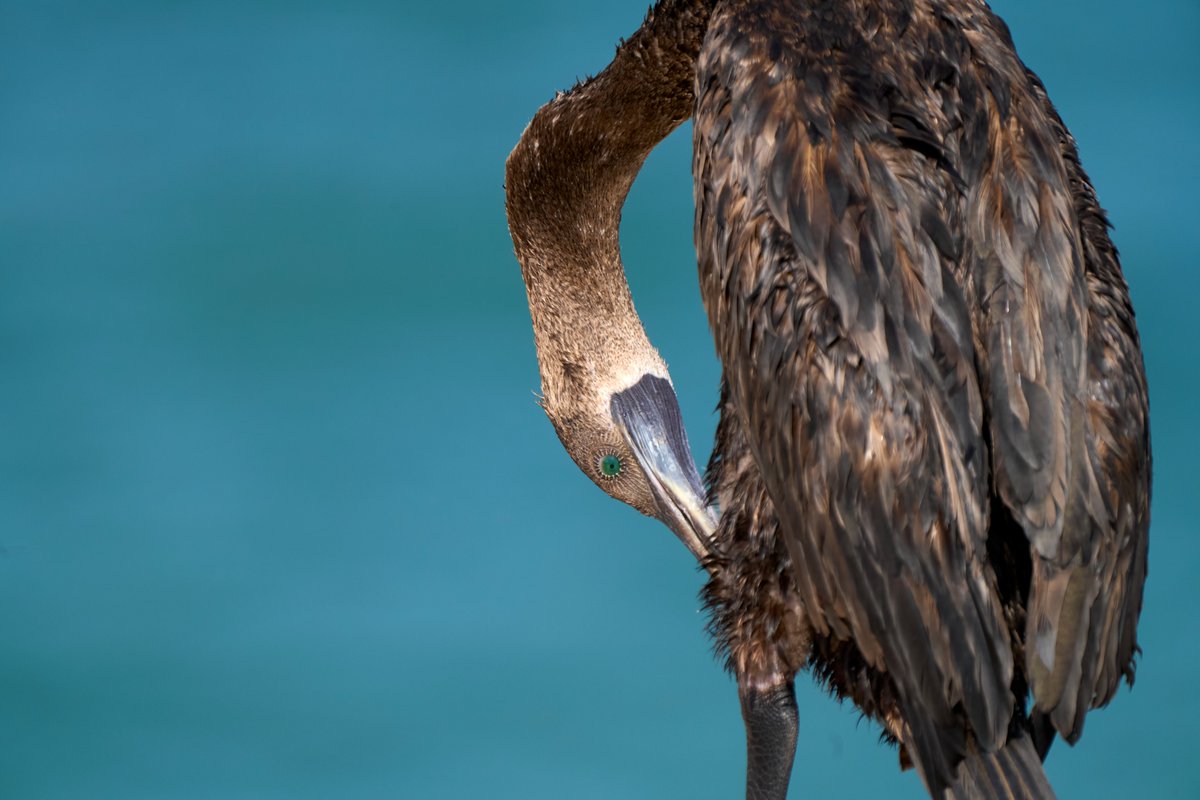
(647, 414)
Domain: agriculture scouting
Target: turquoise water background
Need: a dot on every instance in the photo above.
(278, 515)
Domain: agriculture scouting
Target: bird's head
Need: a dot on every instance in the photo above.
(617, 415)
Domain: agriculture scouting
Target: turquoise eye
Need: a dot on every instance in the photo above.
(610, 466)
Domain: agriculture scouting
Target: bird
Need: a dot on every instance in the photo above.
(930, 482)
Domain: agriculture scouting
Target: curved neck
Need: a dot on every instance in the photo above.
(568, 176)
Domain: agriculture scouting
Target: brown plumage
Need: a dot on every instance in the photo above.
(933, 461)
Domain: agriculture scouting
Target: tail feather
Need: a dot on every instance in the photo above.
(1014, 772)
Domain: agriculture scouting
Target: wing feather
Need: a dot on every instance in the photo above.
(848, 347)
(1066, 393)
(920, 314)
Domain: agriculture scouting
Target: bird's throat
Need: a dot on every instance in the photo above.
(568, 176)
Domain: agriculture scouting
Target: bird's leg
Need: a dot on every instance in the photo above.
(771, 724)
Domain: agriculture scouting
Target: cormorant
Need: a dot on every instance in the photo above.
(932, 464)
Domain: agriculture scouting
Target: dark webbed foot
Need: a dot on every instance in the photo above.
(771, 724)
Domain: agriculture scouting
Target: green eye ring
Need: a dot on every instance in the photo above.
(610, 466)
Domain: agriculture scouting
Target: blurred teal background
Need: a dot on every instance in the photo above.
(278, 515)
